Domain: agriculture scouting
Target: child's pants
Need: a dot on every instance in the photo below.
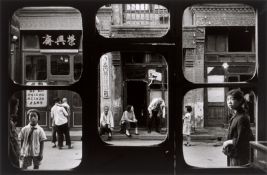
(27, 161)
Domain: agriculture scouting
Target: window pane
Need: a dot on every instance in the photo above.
(125, 83)
(221, 43)
(244, 34)
(78, 66)
(132, 21)
(77, 101)
(211, 38)
(60, 64)
(205, 128)
(36, 67)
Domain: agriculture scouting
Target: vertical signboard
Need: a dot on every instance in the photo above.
(105, 68)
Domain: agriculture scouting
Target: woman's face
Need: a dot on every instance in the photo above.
(132, 108)
(233, 103)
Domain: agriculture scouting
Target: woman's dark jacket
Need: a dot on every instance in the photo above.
(239, 131)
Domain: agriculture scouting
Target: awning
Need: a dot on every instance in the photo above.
(49, 18)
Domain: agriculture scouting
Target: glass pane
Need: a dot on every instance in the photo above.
(211, 39)
(207, 121)
(54, 113)
(46, 46)
(60, 64)
(78, 63)
(133, 98)
(36, 67)
(77, 102)
(132, 21)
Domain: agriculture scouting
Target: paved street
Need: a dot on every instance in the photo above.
(134, 142)
(200, 154)
(64, 159)
(203, 154)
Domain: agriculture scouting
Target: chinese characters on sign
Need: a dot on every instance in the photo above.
(36, 98)
(64, 39)
(105, 75)
(48, 41)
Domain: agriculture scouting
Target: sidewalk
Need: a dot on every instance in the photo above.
(64, 159)
(209, 133)
(205, 155)
(198, 134)
(74, 135)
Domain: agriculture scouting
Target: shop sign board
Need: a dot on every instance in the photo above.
(36, 98)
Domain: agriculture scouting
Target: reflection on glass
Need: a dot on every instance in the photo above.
(78, 66)
(133, 98)
(39, 109)
(36, 67)
(60, 65)
(45, 45)
(211, 40)
(132, 20)
(208, 125)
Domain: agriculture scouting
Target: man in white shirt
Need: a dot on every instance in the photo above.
(156, 111)
(106, 122)
(60, 116)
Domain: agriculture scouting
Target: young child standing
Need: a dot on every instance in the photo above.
(32, 139)
(187, 124)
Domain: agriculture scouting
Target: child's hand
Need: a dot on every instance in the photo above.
(40, 157)
(226, 143)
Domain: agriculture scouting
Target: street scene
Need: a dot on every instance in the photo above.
(49, 135)
(133, 89)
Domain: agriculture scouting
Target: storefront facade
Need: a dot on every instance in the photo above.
(132, 78)
(219, 47)
(50, 53)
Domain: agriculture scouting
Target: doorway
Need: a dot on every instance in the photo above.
(137, 96)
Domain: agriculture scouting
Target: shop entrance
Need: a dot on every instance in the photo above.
(137, 96)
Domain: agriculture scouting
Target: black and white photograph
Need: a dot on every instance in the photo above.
(164, 87)
(219, 47)
(46, 46)
(45, 130)
(133, 98)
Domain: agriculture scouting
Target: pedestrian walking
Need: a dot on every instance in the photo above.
(128, 118)
(187, 125)
(106, 122)
(32, 139)
(236, 147)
